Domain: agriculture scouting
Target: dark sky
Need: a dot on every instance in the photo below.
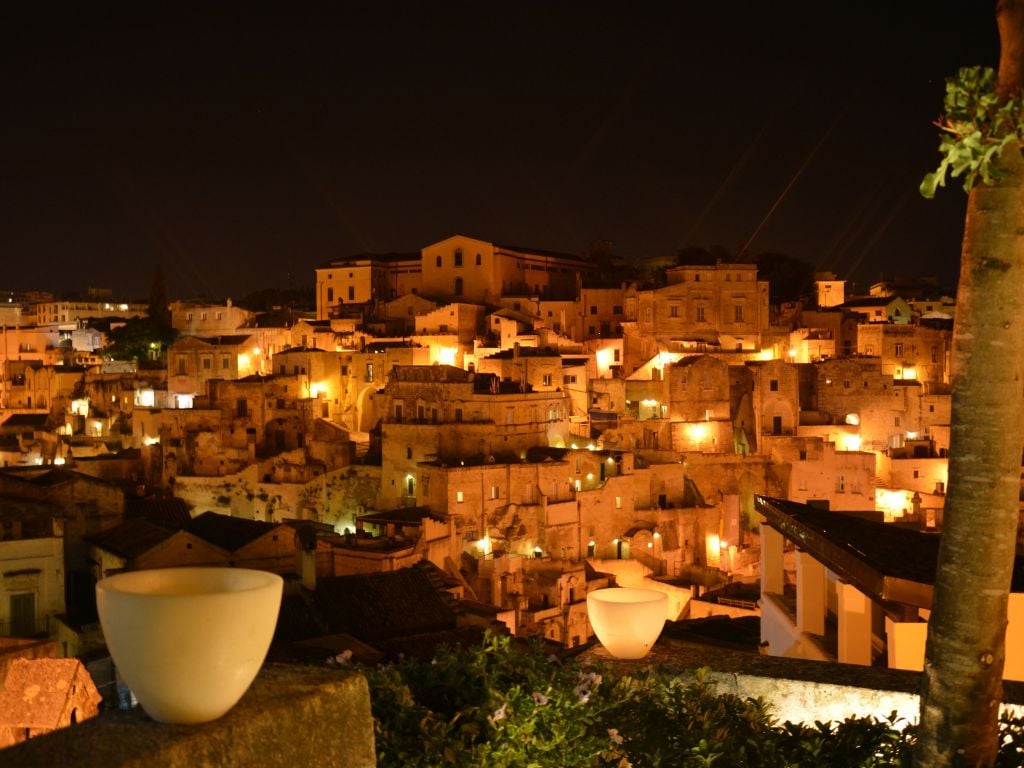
(239, 147)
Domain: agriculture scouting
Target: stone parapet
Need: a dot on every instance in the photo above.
(291, 716)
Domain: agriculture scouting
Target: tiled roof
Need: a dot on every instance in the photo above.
(25, 420)
(130, 538)
(379, 606)
(170, 513)
(227, 532)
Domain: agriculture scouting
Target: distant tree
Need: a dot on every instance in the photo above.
(962, 685)
(159, 307)
(788, 279)
(142, 339)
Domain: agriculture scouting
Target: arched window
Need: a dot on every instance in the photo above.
(437, 261)
(458, 286)
(458, 257)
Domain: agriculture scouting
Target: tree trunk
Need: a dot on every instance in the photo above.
(962, 683)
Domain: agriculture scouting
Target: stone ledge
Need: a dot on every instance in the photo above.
(795, 689)
(291, 716)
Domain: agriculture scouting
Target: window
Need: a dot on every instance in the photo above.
(207, 363)
(931, 409)
(571, 379)
(330, 295)
(673, 311)
(242, 407)
(917, 474)
(181, 365)
(369, 371)
(437, 261)
(408, 453)
(188, 316)
(458, 414)
(459, 498)
(225, 363)
(351, 293)
(202, 316)
(398, 412)
(458, 286)
(846, 383)
(546, 379)
(458, 257)
(647, 314)
(617, 355)
(478, 261)
(700, 314)
(773, 385)
(593, 309)
(494, 488)
(738, 309)
(616, 310)
(896, 421)
(898, 350)
(841, 485)
(618, 502)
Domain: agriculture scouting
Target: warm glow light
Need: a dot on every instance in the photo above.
(151, 441)
(851, 443)
(145, 398)
(80, 407)
(59, 460)
(604, 357)
(697, 432)
(853, 419)
(446, 355)
(911, 435)
(892, 503)
(792, 353)
(648, 402)
(243, 361)
(910, 373)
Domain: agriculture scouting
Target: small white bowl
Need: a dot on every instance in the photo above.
(189, 641)
(626, 620)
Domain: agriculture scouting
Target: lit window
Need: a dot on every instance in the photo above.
(458, 497)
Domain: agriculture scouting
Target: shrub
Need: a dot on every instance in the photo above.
(510, 705)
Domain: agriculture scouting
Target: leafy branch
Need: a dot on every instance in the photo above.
(975, 129)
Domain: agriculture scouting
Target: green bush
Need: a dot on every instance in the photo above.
(508, 705)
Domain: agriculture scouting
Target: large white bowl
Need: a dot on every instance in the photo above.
(189, 641)
(626, 620)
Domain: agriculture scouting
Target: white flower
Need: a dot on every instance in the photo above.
(613, 734)
(499, 714)
(540, 698)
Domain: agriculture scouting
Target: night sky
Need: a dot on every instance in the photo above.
(240, 148)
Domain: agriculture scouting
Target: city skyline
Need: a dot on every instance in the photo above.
(241, 150)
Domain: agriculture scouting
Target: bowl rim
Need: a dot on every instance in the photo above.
(118, 583)
(639, 595)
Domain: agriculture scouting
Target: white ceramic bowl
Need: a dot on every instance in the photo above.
(189, 641)
(626, 620)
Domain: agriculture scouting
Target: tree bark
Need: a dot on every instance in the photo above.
(962, 682)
